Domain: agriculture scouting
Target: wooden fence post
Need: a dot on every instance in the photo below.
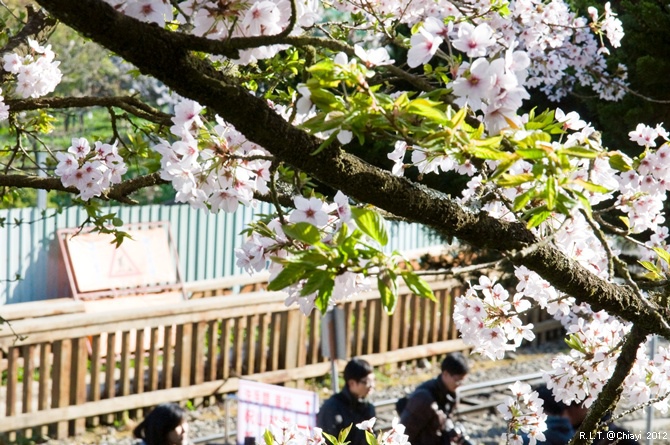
(62, 350)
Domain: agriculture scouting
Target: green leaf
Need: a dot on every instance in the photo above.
(575, 343)
(418, 285)
(579, 152)
(655, 273)
(371, 223)
(330, 438)
(370, 438)
(521, 200)
(489, 153)
(590, 186)
(513, 180)
(427, 109)
(388, 292)
(531, 153)
(267, 436)
(550, 193)
(303, 231)
(504, 166)
(663, 254)
(618, 162)
(325, 144)
(344, 433)
(291, 274)
(538, 216)
(317, 279)
(323, 297)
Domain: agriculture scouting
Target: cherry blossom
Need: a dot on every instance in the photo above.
(424, 45)
(312, 210)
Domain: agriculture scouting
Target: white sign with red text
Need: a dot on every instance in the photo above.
(260, 404)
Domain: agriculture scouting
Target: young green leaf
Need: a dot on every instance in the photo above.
(418, 285)
(303, 231)
(291, 274)
(371, 223)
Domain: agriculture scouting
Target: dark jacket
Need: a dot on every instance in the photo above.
(559, 431)
(342, 410)
(420, 417)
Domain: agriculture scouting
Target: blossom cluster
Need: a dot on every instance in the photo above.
(219, 175)
(221, 21)
(91, 170)
(580, 375)
(258, 250)
(489, 320)
(37, 73)
(524, 415)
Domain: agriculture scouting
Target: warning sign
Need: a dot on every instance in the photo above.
(145, 260)
(122, 265)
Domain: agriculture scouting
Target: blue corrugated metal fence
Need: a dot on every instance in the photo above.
(206, 244)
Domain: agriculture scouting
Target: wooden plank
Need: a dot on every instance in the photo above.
(212, 342)
(168, 357)
(359, 330)
(78, 373)
(28, 378)
(42, 308)
(43, 396)
(262, 356)
(96, 368)
(370, 326)
(12, 381)
(62, 362)
(140, 368)
(240, 326)
(224, 348)
(110, 371)
(275, 341)
(250, 343)
(384, 329)
(197, 356)
(313, 351)
(124, 374)
(153, 359)
(348, 335)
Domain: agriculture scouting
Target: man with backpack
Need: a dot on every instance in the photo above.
(426, 413)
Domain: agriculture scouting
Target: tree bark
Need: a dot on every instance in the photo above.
(166, 58)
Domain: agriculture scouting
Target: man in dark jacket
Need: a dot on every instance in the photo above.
(429, 407)
(349, 406)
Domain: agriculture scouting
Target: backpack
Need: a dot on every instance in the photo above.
(400, 405)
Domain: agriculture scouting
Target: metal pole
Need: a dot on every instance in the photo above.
(333, 353)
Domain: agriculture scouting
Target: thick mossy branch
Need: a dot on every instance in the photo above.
(155, 52)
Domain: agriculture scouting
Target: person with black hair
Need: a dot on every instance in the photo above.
(166, 424)
(349, 406)
(559, 429)
(427, 412)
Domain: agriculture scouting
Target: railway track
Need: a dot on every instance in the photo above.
(473, 398)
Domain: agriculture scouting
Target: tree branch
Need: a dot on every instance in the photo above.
(609, 396)
(164, 57)
(130, 104)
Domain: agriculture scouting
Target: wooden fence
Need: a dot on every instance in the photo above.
(80, 369)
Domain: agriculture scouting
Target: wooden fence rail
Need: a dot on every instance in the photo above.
(80, 369)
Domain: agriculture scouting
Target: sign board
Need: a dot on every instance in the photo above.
(259, 405)
(145, 262)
